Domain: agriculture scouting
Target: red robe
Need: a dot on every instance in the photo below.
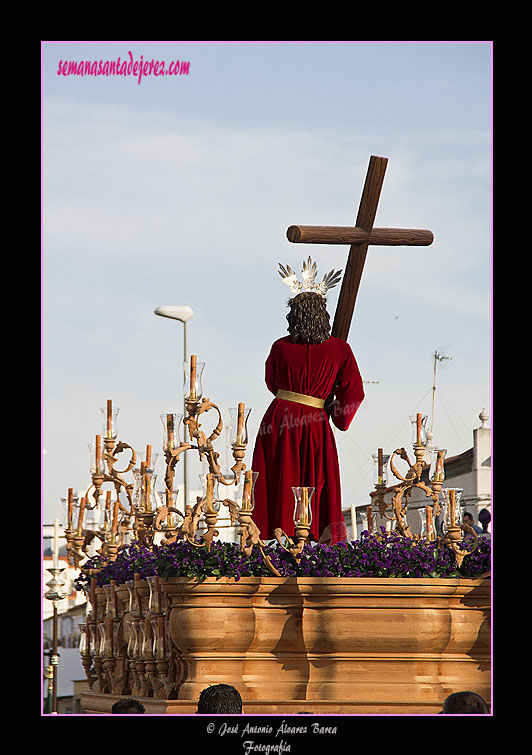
(295, 445)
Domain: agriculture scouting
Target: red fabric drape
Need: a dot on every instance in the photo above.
(295, 445)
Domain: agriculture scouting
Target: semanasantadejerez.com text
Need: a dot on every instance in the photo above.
(118, 67)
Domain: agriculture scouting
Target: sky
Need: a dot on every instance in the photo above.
(179, 189)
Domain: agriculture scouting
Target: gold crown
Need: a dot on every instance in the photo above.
(308, 273)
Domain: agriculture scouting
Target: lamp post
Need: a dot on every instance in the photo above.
(181, 313)
(55, 594)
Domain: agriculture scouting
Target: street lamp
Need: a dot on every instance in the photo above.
(56, 593)
(181, 313)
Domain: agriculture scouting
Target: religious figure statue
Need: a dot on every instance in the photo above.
(314, 378)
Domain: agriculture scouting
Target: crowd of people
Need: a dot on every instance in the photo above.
(484, 517)
(226, 699)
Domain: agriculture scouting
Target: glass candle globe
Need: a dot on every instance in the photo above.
(239, 425)
(451, 511)
(144, 492)
(380, 472)
(109, 416)
(419, 431)
(169, 498)
(70, 504)
(83, 639)
(437, 468)
(209, 484)
(97, 464)
(171, 430)
(193, 371)
(303, 505)
(245, 490)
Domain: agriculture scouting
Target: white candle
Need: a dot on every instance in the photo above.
(354, 521)
(56, 543)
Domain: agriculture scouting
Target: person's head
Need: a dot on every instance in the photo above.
(127, 705)
(220, 698)
(465, 702)
(308, 319)
(484, 517)
(468, 518)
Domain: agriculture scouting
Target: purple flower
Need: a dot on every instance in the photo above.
(383, 555)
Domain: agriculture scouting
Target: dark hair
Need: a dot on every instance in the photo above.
(308, 319)
(127, 705)
(465, 702)
(220, 698)
(484, 517)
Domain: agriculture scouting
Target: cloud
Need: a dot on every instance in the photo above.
(143, 208)
(131, 190)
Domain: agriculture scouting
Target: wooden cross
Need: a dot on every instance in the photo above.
(359, 237)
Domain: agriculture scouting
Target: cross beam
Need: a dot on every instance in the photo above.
(359, 236)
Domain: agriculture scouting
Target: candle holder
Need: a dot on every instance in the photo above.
(147, 511)
(453, 526)
(171, 430)
(419, 430)
(168, 516)
(411, 480)
(85, 650)
(239, 425)
(245, 504)
(437, 464)
(102, 468)
(97, 465)
(380, 472)
(427, 525)
(380, 478)
(247, 530)
(303, 506)
(302, 521)
(70, 505)
(195, 406)
(145, 501)
(207, 505)
(210, 505)
(109, 416)
(202, 443)
(192, 379)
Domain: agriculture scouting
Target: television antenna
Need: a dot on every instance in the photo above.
(438, 356)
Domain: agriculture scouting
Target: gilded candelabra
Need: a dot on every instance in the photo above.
(412, 479)
(116, 519)
(147, 511)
